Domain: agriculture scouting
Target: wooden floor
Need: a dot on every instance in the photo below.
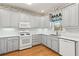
(38, 50)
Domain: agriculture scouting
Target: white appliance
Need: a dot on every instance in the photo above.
(25, 40)
(24, 25)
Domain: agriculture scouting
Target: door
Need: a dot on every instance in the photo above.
(3, 45)
(67, 47)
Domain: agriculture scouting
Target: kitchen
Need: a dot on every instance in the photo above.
(52, 26)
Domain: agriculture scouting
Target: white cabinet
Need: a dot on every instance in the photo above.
(44, 40)
(8, 44)
(14, 19)
(49, 42)
(45, 23)
(70, 15)
(12, 44)
(77, 48)
(55, 43)
(66, 47)
(3, 45)
(74, 15)
(36, 39)
(4, 18)
(15, 44)
(66, 16)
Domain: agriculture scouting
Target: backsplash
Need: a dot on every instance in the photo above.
(8, 31)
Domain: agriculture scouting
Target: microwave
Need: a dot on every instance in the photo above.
(24, 25)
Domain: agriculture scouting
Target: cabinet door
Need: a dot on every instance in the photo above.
(44, 40)
(66, 48)
(49, 42)
(74, 15)
(3, 45)
(14, 18)
(70, 15)
(55, 45)
(15, 43)
(36, 39)
(66, 16)
(4, 18)
(77, 48)
(10, 45)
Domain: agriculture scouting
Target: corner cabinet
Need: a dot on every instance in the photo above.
(67, 47)
(51, 41)
(36, 39)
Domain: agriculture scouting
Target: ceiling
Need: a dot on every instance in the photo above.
(40, 7)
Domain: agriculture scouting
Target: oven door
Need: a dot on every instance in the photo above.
(25, 41)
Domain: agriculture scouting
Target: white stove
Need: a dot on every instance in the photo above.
(25, 40)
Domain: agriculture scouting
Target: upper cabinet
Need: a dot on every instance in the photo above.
(8, 18)
(11, 18)
(70, 15)
(45, 23)
(14, 19)
(4, 18)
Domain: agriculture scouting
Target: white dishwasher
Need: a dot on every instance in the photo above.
(25, 40)
(66, 47)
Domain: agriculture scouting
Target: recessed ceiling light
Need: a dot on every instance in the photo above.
(29, 3)
(42, 11)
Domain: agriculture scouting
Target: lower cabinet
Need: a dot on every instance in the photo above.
(51, 41)
(12, 44)
(77, 48)
(44, 40)
(55, 44)
(67, 47)
(8, 44)
(36, 39)
(15, 44)
(3, 45)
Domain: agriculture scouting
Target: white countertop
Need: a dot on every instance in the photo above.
(70, 36)
(13, 32)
